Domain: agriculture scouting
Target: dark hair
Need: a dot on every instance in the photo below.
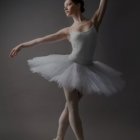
(82, 4)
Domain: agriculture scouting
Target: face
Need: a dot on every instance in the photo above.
(70, 7)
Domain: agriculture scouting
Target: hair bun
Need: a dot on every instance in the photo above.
(82, 9)
(82, 4)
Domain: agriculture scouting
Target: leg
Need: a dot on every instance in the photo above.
(72, 99)
(63, 124)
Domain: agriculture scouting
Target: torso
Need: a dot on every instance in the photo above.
(83, 45)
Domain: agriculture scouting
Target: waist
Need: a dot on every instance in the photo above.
(80, 59)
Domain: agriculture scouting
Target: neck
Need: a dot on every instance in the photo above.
(78, 18)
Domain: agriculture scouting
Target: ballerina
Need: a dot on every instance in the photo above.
(76, 72)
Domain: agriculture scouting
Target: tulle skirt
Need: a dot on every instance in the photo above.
(94, 78)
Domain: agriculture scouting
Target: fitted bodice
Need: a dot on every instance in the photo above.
(83, 46)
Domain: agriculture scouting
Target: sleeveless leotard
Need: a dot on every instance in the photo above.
(83, 45)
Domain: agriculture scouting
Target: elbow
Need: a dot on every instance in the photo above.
(40, 40)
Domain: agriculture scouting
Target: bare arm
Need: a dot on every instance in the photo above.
(59, 35)
(98, 15)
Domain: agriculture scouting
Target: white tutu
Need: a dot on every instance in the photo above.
(88, 79)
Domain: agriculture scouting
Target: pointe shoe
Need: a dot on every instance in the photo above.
(56, 139)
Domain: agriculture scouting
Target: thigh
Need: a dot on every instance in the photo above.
(72, 95)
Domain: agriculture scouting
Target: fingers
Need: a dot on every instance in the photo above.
(13, 52)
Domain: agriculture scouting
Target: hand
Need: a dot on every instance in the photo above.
(15, 50)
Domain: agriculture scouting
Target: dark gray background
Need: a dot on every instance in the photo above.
(30, 105)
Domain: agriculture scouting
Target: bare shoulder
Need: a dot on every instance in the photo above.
(64, 30)
(62, 33)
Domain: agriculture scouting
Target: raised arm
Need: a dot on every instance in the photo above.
(59, 35)
(98, 15)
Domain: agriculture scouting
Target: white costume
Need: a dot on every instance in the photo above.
(77, 70)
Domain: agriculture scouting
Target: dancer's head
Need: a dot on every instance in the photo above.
(73, 6)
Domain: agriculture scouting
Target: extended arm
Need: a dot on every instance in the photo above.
(98, 15)
(59, 35)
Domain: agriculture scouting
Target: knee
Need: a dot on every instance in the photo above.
(71, 106)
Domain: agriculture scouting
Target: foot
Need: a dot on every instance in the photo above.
(57, 138)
